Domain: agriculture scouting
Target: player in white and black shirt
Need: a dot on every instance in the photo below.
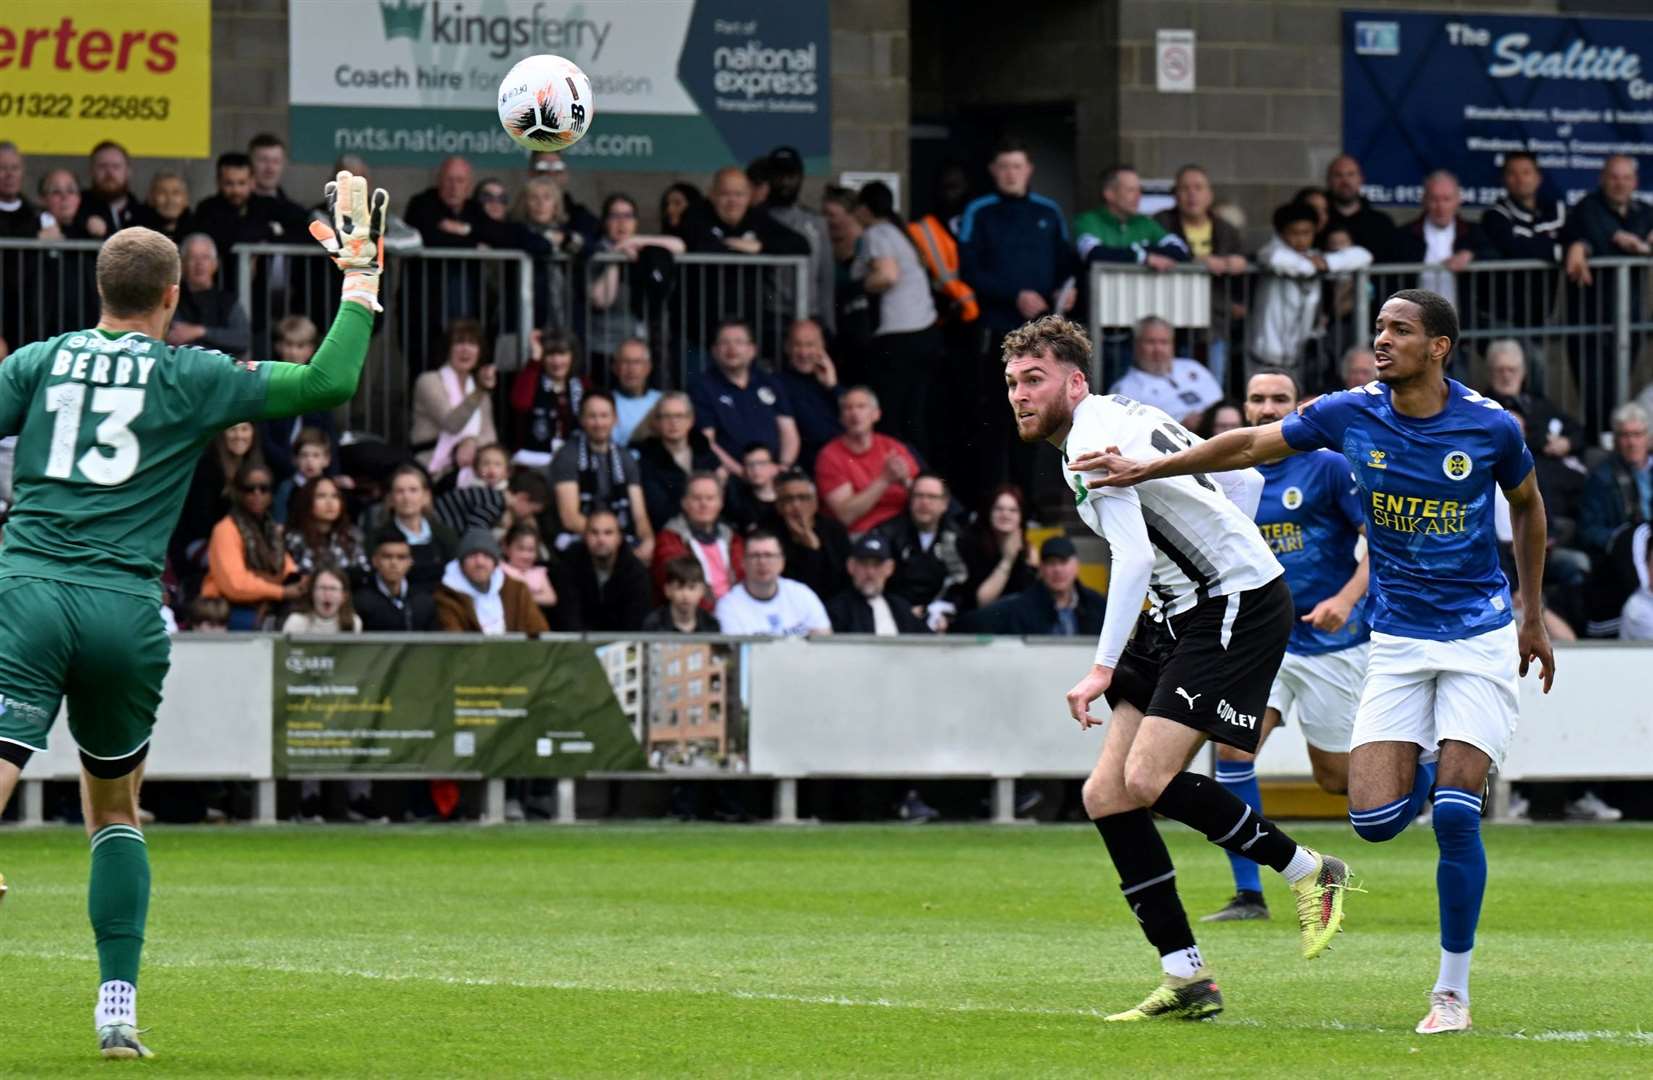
(1227, 617)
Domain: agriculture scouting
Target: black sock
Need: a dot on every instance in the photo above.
(1203, 804)
(1147, 878)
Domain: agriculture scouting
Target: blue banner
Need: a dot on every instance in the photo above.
(1425, 91)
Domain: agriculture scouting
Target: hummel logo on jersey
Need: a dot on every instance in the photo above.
(1375, 459)
(1230, 715)
(1186, 696)
(1256, 835)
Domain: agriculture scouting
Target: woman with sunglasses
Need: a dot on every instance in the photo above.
(246, 562)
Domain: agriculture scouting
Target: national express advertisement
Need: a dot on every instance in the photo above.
(1458, 91)
(687, 85)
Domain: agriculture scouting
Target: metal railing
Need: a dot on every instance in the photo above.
(47, 287)
(1583, 343)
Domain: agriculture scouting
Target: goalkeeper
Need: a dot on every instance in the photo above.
(110, 422)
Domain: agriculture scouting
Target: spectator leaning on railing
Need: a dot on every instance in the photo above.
(1214, 244)
(1524, 223)
(1117, 232)
(728, 224)
(232, 216)
(1440, 235)
(108, 205)
(1285, 314)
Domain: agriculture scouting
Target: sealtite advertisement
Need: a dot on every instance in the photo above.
(1458, 91)
(680, 85)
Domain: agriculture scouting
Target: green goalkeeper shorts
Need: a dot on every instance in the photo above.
(106, 651)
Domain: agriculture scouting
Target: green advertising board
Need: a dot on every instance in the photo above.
(497, 709)
(679, 85)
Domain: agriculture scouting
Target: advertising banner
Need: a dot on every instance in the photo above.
(1459, 91)
(76, 72)
(686, 85)
(499, 709)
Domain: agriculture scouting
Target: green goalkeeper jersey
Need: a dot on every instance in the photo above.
(110, 427)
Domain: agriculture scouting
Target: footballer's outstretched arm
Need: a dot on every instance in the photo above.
(1133, 564)
(1240, 448)
(355, 239)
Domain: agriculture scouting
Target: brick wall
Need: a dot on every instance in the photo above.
(1267, 115)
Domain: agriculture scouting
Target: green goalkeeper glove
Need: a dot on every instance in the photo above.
(355, 239)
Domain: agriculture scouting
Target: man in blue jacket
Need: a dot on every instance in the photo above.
(1015, 252)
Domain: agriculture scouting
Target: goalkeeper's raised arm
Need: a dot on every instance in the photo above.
(356, 242)
(1240, 448)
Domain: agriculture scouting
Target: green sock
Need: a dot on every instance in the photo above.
(118, 899)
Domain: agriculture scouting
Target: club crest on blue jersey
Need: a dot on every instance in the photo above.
(1457, 465)
(1291, 498)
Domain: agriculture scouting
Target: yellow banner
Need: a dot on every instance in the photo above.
(76, 72)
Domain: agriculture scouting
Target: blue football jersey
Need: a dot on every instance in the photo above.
(1426, 491)
(1311, 517)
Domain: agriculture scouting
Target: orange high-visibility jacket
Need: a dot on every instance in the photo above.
(941, 258)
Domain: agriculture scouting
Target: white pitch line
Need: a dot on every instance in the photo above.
(1623, 1038)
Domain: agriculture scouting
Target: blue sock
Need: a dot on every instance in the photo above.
(1240, 778)
(1461, 875)
(1422, 781)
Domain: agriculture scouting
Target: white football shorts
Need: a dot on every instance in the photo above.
(1320, 694)
(1426, 692)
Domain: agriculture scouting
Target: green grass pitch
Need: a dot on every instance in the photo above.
(622, 950)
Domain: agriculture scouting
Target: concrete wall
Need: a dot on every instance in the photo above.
(249, 42)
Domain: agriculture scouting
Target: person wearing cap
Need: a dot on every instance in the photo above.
(477, 597)
(863, 608)
(785, 171)
(1057, 605)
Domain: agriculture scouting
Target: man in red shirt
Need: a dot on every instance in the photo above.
(862, 475)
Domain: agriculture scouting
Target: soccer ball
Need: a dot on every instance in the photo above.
(545, 103)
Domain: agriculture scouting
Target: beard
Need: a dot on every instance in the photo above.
(1045, 422)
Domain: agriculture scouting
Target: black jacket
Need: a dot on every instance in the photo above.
(92, 205)
(220, 312)
(1032, 612)
(822, 569)
(663, 482)
(1369, 227)
(659, 621)
(231, 226)
(621, 604)
(1511, 231)
(851, 613)
(924, 576)
(416, 612)
(1594, 221)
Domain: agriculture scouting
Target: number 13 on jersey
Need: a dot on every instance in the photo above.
(119, 406)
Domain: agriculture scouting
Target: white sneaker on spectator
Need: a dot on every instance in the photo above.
(1518, 808)
(513, 810)
(1589, 807)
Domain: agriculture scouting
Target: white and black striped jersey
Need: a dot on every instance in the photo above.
(1203, 544)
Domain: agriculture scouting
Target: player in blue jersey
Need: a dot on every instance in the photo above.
(1310, 515)
(1445, 657)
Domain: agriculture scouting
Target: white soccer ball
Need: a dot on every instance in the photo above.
(545, 103)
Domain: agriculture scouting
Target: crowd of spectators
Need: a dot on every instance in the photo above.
(861, 477)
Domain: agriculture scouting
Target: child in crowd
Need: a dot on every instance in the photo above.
(685, 591)
(522, 562)
(1287, 316)
(312, 457)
